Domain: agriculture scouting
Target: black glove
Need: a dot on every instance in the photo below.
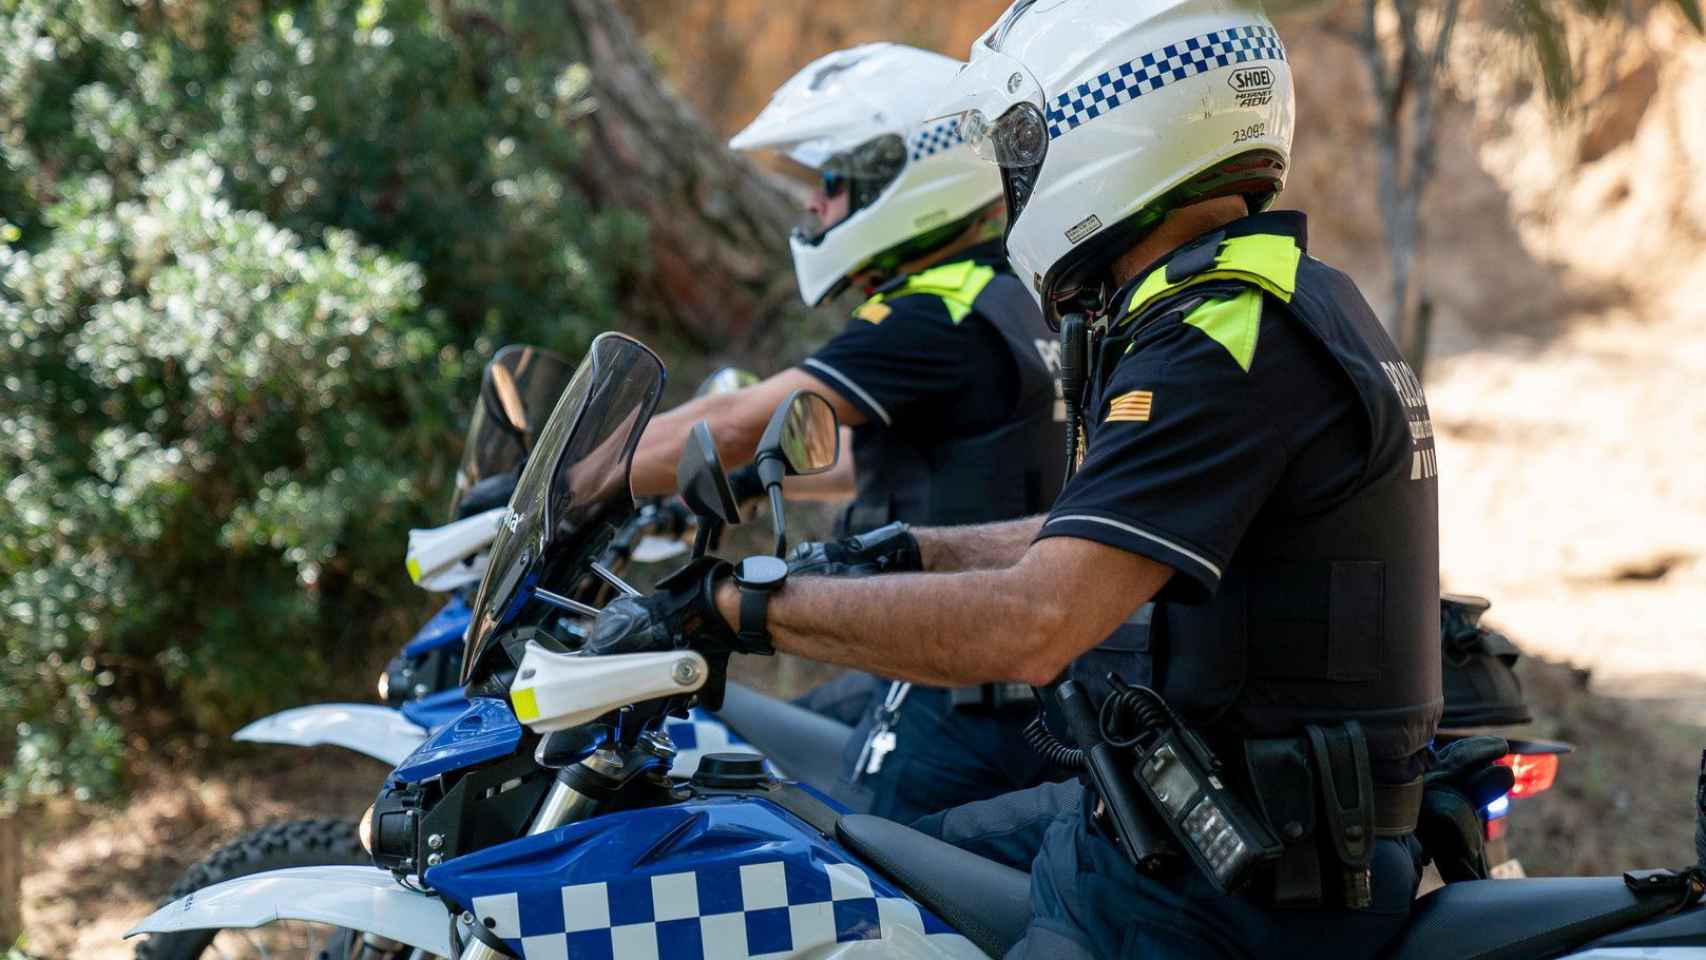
(1464, 780)
(681, 613)
(888, 549)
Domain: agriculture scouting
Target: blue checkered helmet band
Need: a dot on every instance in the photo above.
(1152, 71)
(935, 138)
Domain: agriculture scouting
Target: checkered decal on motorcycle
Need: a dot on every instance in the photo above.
(1152, 71)
(935, 138)
(717, 913)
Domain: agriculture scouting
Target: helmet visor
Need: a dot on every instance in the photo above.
(862, 173)
(999, 106)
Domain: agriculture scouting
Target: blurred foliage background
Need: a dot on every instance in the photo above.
(252, 259)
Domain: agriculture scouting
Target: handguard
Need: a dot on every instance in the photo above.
(556, 691)
(454, 555)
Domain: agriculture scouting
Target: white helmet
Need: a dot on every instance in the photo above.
(860, 114)
(1104, 116)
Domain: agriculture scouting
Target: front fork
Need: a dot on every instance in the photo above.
(563, 805)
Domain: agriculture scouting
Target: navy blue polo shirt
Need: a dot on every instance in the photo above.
(913, 368)
(1186, 442)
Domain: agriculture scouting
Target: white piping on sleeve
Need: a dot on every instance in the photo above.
(1128, 528)
(858, 391)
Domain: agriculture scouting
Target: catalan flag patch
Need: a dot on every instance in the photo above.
(1130, 407)
(874, 312)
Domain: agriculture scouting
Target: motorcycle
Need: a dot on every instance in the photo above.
(542, 822)
(1483, 695)
(417, 691)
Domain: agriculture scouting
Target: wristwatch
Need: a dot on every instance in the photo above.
(758, 578)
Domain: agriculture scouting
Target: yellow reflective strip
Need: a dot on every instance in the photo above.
(1272, 257)
(414, 568)
(1267, 260)
(949, 276)
(956, 285)
(526, 704)
(1232, 323)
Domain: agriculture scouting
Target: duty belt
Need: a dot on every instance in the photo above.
(992, 696)
(1396, 807)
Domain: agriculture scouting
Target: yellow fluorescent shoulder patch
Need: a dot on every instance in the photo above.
(414, 568)
(874, 312)
(526, 704)
(1130, 407)
(1233, 324)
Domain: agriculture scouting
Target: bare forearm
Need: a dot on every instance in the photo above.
(737, 422)
(1025, 622)
(943, 630)
(984, 546)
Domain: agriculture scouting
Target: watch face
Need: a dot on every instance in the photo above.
(762, 572)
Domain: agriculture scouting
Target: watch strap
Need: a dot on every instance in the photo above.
(754, 633)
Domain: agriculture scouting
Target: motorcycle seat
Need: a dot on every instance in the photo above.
(1519, 919)
(802, 744)
(988, 902)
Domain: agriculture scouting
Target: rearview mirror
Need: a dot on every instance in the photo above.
(802, 438)
(725, 380)
(704, 486)
(803, 433)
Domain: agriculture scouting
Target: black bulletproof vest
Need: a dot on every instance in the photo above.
(1331, 617)
(1014, 470)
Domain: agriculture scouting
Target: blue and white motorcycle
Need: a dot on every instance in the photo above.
(543, 822)
(418, 691)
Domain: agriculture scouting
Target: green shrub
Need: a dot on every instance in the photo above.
(251, 262)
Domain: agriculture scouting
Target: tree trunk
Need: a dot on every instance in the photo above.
(1406, 90)
(11, 879)
(720, 270)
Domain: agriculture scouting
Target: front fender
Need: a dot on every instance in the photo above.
(378, 732)
(358, 898)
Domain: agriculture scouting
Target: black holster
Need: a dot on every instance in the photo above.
(1318, 796)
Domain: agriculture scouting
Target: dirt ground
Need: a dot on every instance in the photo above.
(97, 874)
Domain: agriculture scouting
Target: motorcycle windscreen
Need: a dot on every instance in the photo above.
(572, 494)
(518, 391)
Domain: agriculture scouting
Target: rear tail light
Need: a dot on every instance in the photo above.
(1534, 772)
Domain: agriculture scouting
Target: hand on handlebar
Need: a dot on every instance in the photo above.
(680, 614)
(887, 549)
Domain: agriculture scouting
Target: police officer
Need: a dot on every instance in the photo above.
(944, 374)
(1257, 461)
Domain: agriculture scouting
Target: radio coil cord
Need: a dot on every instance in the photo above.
(1048, 746)
(1130, 713)
(1074, 359)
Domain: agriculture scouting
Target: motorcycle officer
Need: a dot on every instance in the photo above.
(945, 374)
(1257, 461)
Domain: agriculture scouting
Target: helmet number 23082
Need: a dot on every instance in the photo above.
(1250, 132)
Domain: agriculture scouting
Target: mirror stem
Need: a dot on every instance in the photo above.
(702, 536)
(776, 521)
